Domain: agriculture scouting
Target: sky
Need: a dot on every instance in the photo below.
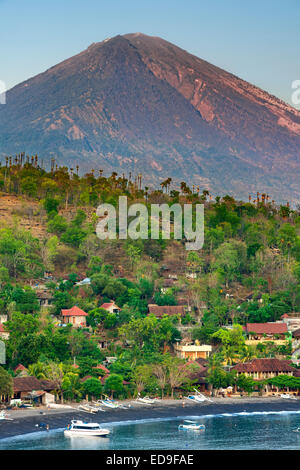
(258, 41)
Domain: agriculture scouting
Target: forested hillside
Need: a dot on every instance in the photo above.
(247, 271)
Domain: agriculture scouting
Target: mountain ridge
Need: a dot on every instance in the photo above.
(139, 103)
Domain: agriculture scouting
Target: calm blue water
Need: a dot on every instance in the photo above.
(268, 430)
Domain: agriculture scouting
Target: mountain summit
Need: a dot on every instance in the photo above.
(141, 104)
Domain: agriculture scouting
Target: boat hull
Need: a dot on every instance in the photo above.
(81, 433)
(189, 428)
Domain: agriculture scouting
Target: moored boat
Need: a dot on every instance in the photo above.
(110, 403)
(80, 429)
(89, 408)
(4, 416)
(288, 396)
(191, 425)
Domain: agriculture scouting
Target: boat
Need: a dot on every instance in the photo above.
(58, 406)
(288, 395)
(146, 400)
(4, 416)
(296, 430)
(191, 426)
(89, 408)
(198, 397)
(109, 403)
(80, 429)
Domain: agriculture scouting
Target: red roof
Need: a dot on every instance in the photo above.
(19, 367)
(86, 377)
(109, 304)
(2, 330)
(268, 328)
(102, 379)
(285, 315)
(73, 312)
(100, 366)
(264, 365)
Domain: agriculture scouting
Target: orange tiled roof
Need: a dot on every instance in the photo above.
(74, 312)
(101, 367)
(108, 304)
(19, 367)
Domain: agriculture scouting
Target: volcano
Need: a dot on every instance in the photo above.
(140, 104)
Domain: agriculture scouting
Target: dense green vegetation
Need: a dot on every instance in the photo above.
(247, 271)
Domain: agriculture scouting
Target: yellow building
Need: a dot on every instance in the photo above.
(193, 351)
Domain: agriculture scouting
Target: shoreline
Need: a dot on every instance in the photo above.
(24, 421)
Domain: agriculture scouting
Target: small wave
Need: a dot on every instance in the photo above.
(208, 416)
(30, 435)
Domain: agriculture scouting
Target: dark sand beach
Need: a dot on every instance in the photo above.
(25, 421)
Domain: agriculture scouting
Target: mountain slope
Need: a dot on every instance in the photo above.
(138, 103)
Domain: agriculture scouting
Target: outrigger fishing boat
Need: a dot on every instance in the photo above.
(80, 429)
(146, 400)
(198, 397)
(110, 403)
(191, 426)
(288, 396)
(89, 408)
(4, 416)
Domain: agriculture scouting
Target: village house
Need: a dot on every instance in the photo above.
(85, 282)
(160, 310)
(3, 333)
(111, 307)
(103, 340)
(296, 334)
(187, 350)
(75, 316)
(167, 284)
(291, 315)
(102, 368)
(260, 369)
(261, 332)
(45, 298)
(31, 389)
(3, 318)
(293, 323)
(199, 374)
(20, 370)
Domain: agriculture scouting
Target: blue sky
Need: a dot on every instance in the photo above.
(257, 40)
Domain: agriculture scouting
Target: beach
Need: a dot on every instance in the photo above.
(25, 420)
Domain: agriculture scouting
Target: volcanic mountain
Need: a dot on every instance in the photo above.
(140, 104)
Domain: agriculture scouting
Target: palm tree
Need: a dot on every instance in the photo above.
(38, 370)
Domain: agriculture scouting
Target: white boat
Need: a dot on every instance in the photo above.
(191, 425)
(146, 400)
(58, 406)
(4, 416)
(296, 430)
(80, 429)
(110, 403)
(88, 408)
(287, 395)
(198, 397)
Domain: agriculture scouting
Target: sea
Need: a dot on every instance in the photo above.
(255, 430)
